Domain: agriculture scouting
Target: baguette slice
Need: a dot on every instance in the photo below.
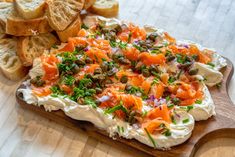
(61, 13)
(10, 63)
(30, 9)
(88, 4)
(29, 48)
(5, 10)
(20, 27)
(107, 8)
(71, 31)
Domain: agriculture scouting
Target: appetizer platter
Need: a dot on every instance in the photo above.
(113, 79)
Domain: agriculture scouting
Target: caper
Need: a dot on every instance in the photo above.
(123, 61)
(104, 67)
(118, 28)
(145, 72)
(98, 71)
(152, 36)
(170, 58)
(97, 102)
(131, 118)
(110, 73)
(33, 81)
(98, 90)
(195, 57)
(98, 77)
(89, 84)
(185, 65)
(89, 76)
(124, 79)
(80, 62)
(153, 69)
(193, 72)
(108, 81)
(176, 101)
(88, 60)
(128, 87)
(80, 101)
(76, 69)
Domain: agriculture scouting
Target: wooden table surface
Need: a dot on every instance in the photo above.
(208, 22)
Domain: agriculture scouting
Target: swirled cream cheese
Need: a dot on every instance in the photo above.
(203, 110)
(180, 131)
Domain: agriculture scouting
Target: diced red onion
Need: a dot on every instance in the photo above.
(104, 98)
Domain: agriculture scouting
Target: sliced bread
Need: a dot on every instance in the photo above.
(5, 9)
(30, 9)
(29, 48)
(107, 8)
(71, 31)
(88, 4)
(20, 27)
(10, 63)
(61, 13)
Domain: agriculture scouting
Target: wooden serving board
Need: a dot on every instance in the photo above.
(221, 125)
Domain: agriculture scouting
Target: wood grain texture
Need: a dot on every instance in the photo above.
(221, 125)
(208, 22)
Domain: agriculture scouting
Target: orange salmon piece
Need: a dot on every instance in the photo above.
(160, 112)
(149, 59)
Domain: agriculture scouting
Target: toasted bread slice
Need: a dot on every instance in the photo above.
(20, 27)
(30, 9)
(88, 4)
(10, 63)
(28, 48)
(5, 9)
(61, 13)
(71, 31)
(107, 8)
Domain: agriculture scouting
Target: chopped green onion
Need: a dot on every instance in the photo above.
(150, 137)
(170, 105)
(198, 101)
(189, 108)
(122, 129)
(211, 64)
(185, 120)
(167, 132)
(115, 108)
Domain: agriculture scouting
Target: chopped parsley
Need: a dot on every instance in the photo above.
(69, 80)
(90, 101)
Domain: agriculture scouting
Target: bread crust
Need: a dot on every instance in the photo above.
(10, 63)
(29, 48)
(88, 4)
(71, 31)
(21, 27)
(59, 16)
(30, 13)
(106, 11)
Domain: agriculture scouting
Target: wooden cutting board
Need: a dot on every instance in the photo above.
(221, 125)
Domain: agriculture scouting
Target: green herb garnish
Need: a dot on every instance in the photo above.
(198, 101)
(151, 138)
(84, 26)
(115, 108)
(185, 121)
(211, 64)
